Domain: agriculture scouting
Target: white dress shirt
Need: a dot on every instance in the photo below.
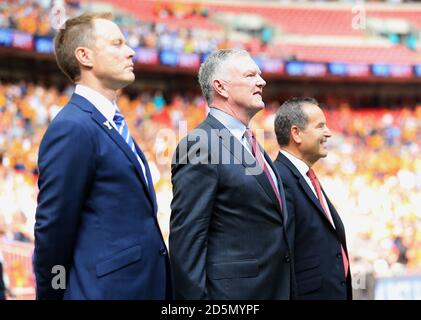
(106, 107)
(303, 168)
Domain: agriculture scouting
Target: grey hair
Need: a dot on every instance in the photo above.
(211, 67)
(289, 114)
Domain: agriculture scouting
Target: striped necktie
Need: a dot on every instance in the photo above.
(123, 129)
(258, 155)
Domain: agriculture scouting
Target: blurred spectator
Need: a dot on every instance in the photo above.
(373, 172)
(2, 284)
(355, 173)
(4, 281)
(401, 249)
(379, 200)
(35, 17)
(20, 230)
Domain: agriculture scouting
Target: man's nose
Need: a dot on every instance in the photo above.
(261, 82)
(131, 52)
(328, 133)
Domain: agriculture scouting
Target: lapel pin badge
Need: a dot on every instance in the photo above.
(107, 124)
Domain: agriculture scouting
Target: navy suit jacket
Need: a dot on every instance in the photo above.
(227, 232)
(319, 270)
(96, 214)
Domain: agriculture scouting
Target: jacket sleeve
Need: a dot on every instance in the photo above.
(66, 168)
(194, 189)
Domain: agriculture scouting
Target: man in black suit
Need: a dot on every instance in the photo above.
(315, 229)
(227, 230)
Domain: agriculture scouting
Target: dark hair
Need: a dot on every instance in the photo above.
(291, 113)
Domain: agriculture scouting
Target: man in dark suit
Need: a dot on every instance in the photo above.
(315, 229)
(96, 216)
(227, 229)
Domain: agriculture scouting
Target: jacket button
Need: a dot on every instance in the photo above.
(343, 283)
(287, 259)
(163, 252)
(339, 255)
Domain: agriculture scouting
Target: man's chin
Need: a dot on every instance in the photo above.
(260, 106)
(125, 82)
(257, 108)
(130, 78)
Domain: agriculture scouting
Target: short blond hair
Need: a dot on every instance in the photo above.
(76, 32)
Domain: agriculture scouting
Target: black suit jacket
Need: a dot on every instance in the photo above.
(227, 232)
(319, 271)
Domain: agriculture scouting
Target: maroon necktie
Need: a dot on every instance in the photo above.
(257, 153)
(318, 189)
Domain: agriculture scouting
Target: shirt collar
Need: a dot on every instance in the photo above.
(235, 126)
(105, 106)
(298, 163)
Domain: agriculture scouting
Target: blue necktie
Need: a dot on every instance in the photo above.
(124, 132)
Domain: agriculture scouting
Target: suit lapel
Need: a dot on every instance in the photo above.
(339, 227)
(242, 156)
(281, 188)
(117, 138)
(306, 188)
(148, 176)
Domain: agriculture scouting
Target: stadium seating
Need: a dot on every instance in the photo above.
(373, 171)
(392, 54)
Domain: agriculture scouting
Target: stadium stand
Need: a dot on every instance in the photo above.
(355, 182)
(374, 153)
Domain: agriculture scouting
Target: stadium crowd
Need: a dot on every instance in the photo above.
(35, 17)
(165, 29)
(373, 170)
(170, 25)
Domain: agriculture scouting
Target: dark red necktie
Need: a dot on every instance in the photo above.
(257, 153)
(316, 185)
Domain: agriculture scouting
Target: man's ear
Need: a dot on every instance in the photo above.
(219, 86)
(84, 56)
(295, 134)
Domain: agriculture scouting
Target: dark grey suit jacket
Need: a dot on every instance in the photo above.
(227, 231)
(319, 270)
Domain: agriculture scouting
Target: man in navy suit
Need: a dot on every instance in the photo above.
(96, 215)
(227, 229)
(315, 229)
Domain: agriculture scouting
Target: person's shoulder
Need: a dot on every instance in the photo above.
(195, 146)
(279, 162)
(70, 120)
(200, 134)
(203, 126)
(284, 171)
(76, 111)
